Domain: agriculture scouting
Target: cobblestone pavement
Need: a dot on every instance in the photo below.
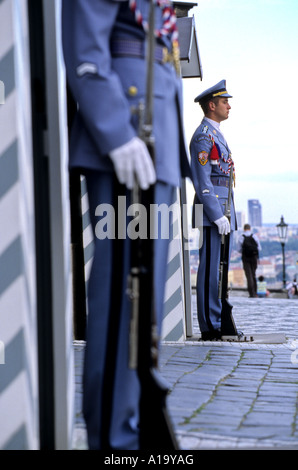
(227, 395)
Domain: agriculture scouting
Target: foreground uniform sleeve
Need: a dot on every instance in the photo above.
(86, 32)
(200, 148)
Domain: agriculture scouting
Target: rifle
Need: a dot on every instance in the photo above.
(228, 327)
(156, 432)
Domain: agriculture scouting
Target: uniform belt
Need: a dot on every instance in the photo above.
(220, 182)
(134, 48)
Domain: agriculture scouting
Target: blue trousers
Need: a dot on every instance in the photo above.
(208, 301)
(126, 390)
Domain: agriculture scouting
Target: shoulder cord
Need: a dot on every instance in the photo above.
(169, 19)
(228, 160)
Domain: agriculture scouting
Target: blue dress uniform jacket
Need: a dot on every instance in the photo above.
(210, 167)
(211, 181)
(106, 84)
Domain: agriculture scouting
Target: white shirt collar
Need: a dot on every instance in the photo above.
(214, 123)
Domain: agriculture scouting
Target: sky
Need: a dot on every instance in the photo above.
(253, 45)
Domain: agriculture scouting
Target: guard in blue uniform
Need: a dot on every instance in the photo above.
(211, 163)
(104, 50)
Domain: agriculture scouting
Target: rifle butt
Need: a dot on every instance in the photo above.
(228, 326)
(156, 432)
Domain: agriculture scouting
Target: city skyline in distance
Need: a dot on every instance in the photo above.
(253, 215)
(271, 208)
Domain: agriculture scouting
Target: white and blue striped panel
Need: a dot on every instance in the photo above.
(87, 230)
(173, 327)
(18, 373)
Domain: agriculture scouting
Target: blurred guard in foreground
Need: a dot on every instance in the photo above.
(104, 50)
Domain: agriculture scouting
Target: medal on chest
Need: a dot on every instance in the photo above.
(216, 156)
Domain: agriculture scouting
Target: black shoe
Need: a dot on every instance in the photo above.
(211, 335)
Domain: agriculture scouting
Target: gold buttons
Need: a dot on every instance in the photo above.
(132, 91)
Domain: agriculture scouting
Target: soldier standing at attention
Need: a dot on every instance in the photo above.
(104, 44)
(211, 163)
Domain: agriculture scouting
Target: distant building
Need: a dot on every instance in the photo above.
(254, 213)
(267, 269)
(240, 216)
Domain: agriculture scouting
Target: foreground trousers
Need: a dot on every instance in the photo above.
(126, 390)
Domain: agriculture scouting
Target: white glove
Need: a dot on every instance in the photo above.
(223, 225)
(132, 159)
